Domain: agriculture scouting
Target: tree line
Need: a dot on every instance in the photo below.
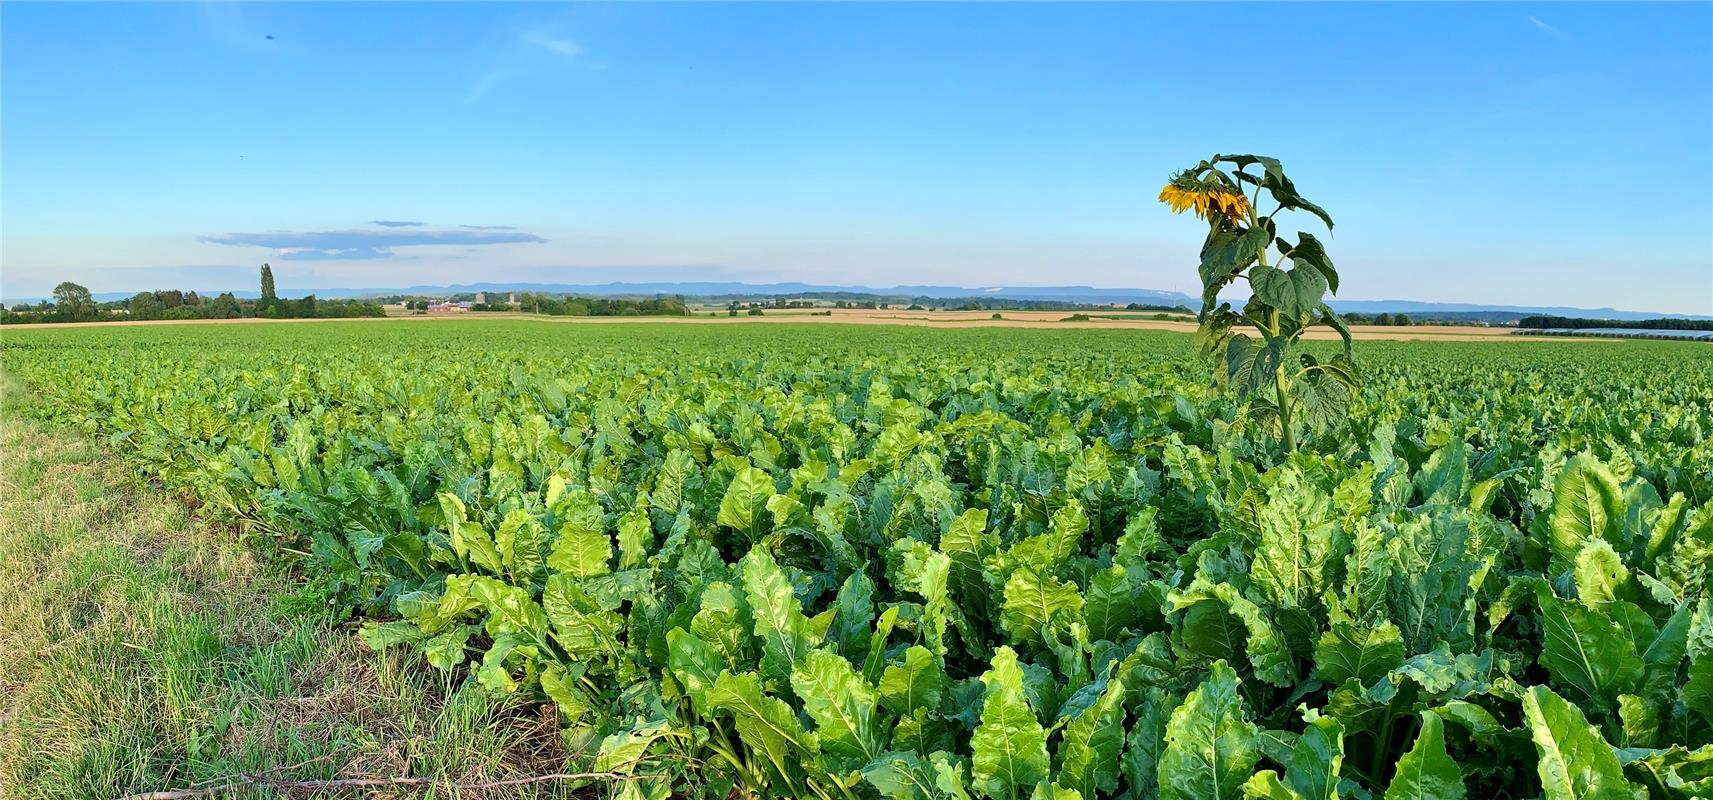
(73, 303)
(1382, 318)
(1662, 324)
(573, 306)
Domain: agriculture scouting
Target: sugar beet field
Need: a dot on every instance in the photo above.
(874, 562)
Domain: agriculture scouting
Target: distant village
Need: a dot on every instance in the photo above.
(456, 306)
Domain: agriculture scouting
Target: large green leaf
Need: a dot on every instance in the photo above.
(1317, 758)
(620, 752)
(695, 665)
(1698, 686)
(744, 506)
(1147, 737)
(843, 707)
(779, 620)
(766, 724)
(1586, 504)
(1009, 747)
(511, 609)
(1325, 390)
(1250, 364)
(1309, 253)
(519, 540)
(1296, 292)
(1037, 606)
(902, 776)
(1296, 552)
(1367, 571)
(1315, 761)
(1575, 762)
(724, 623)
(1210, 748)
(580, 625)
(853, 617)
(1225, 254)
(1445, 476)
(1218, 622)
(468, 538)
(1088, 753)
(1434, 564)
(636, 536)
(1113, 604)
(1586, 651)
(1427, 771)
(918, 683)
(1363, 652)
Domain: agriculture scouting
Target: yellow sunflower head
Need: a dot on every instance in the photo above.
(1184, 192)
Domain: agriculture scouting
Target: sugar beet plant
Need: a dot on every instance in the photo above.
(1252, 346)
(938, 565)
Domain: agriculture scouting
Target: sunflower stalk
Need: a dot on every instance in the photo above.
(1251, 346)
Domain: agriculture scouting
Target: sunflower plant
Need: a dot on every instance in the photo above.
(1288, 281)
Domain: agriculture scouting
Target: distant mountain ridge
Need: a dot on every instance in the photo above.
(1069, 294)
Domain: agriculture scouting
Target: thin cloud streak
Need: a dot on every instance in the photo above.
(1550, 30)
(522, 58)
(365, 244)
(564, 48)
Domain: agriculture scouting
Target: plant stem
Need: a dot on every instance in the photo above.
(1281, 384)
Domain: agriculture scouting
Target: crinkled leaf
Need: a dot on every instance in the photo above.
(1088, 754)
(1210, 749)
(1009, 747)
(1575, 762)
(919, 682)
(842, 705)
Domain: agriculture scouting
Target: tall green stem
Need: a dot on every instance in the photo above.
(1281, 384)
(1287, 430)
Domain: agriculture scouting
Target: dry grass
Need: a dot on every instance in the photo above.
(144, 649)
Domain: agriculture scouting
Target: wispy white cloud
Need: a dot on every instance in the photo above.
(521, 56)
(364, 243)
(564, 48)
(1550, 30)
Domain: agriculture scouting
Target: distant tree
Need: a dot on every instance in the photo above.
(268, 296)
(224, 307)
(1383, 318)
(755, 312)
(1401, 319)
(144, 305)
(74, 301)
(191, 298)
(171, 298)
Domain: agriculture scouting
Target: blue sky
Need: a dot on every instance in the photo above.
(1471, 152)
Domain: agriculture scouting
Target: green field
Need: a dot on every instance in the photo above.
(866, 561)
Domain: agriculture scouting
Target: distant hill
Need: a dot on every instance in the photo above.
(1492, 313)
(728, 290)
